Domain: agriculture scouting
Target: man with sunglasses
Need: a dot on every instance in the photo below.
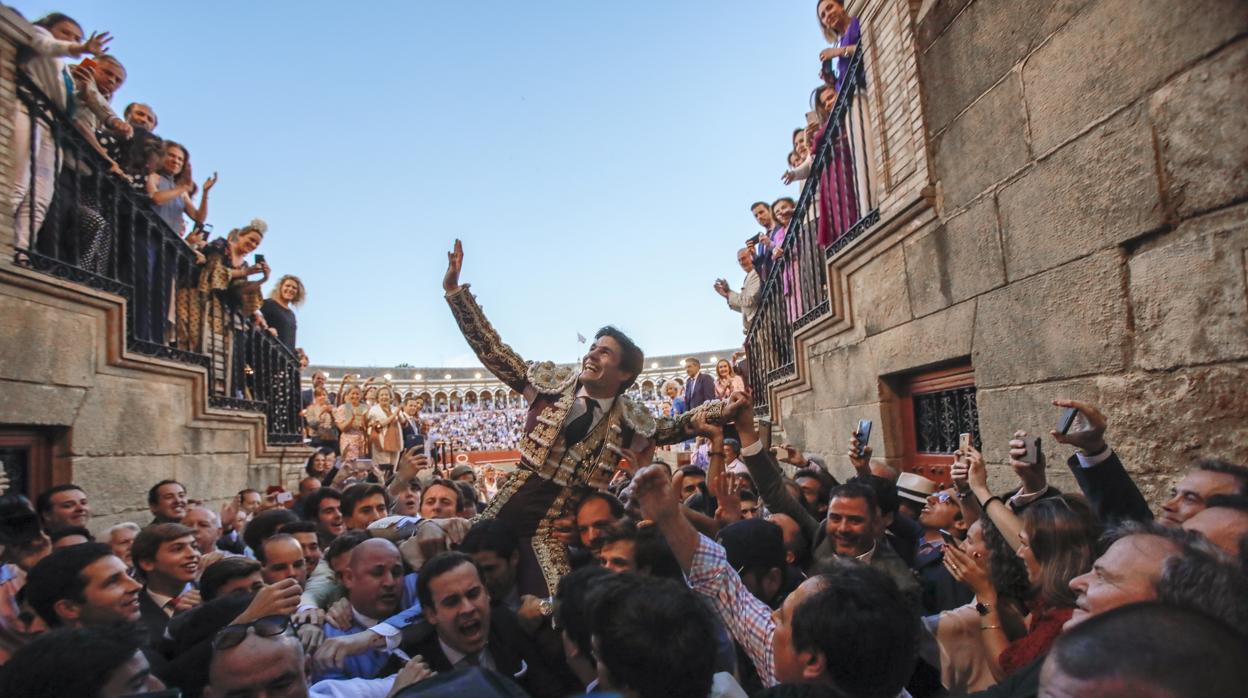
(940, 516)
(260, 657)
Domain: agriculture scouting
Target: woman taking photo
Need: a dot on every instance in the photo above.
(1056, 540)
(279, 317)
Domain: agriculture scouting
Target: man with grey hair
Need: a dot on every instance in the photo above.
(1148, 562)
(207, 526)
(120, 538)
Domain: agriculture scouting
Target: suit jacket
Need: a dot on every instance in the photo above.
(941, 592)
(153, 620)
(1110, 490)
(698, 390)
(513, 652)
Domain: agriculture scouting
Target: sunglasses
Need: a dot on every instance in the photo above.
(233, 635)
(943, 497)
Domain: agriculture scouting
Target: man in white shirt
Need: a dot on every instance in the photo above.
(746, 301)
(373, 580)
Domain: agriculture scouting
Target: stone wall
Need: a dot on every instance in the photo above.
(129, 420)
(1087, 237)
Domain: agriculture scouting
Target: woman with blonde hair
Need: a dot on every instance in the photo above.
(384, 428)
(279, 317)
(351, 418)
(727, 382)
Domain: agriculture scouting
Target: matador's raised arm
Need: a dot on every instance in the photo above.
(495, 355)
(671, 430)
(500, 359)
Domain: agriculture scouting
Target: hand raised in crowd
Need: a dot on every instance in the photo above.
(958, 472)
(862, 464)
(653, 491)
(308, 627)
(339, 614)
(977, 473)
(789, 177)
(335, 651)
(415, 671)
(828, 54)
(793, 456)
(1091, 438)
(530, 613)
(210, 182)
(970, 572)
(454, 265)
(95, 45)
(725, 490)
(280, 599)
(1032, 475)
(411, 464)
(721, 287)
(187, 601)
(120, 127)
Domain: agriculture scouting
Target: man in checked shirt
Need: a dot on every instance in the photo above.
(850, 628)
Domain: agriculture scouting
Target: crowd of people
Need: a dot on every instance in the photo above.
(733, 580)
(72, 173)
(750, 571)
(836, 197)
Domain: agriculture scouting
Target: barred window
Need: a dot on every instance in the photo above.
(937, 407)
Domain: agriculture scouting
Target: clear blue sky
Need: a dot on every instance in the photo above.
(597, 159)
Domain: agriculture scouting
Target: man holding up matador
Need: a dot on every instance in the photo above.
(579, 425)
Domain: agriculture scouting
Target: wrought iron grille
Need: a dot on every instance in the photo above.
(85, 225)
(940, 418)
(835, 207)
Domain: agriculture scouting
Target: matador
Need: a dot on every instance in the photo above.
(578, 426)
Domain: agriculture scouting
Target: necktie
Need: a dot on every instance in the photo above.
(579, 427)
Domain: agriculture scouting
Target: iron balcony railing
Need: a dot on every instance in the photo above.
(88, 226)
(836, 206)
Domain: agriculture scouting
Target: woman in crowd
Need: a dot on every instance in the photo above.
(790, 261)
(998, 577)
(844, 33)
(727, 382)
(171, 187)
(351, 418)
(279, 317)
(383, 425)
(838, 198)
(320, 465)
(370, 393)
(1056, 540)
(223, 296)
(319, 417)
(672, 390)
(55, 36)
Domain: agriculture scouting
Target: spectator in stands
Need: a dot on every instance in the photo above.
(467, 500)
(319, 416)
(266, 524)
(279, 317)
(760, 245)
(941, 516)
(726, 382)
(745, 301)
(171, 187)
(698, 388)
(167, 501)
(281, 557)
(250, 500)
(167, 562)
(409, 422)
(385, 430)
(207, 527)
(351, 419)
(62, 505)
(788, 263)
(53, 37)
(121, 538)
(83, 585)
(104, 661)
(204, 310)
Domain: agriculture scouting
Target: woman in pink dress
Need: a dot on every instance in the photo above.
(351, 418)
(789, 262)
(727, 382)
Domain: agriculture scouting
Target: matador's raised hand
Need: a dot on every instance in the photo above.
(454, 264)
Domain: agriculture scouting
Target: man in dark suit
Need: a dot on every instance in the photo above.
(167, 561)
(1112, 493)
(698, 388)
(461, 628)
